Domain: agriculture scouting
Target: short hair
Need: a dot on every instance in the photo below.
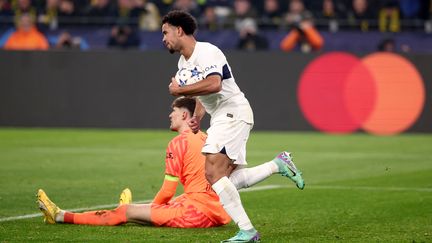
(181, 19)
(185, 102)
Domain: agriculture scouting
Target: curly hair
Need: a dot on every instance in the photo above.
(181, 19)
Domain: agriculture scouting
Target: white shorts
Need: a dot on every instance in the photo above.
(231, 135)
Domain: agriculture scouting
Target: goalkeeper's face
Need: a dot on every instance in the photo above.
(178, 118)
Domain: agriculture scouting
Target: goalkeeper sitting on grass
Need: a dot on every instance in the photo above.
(197, 207)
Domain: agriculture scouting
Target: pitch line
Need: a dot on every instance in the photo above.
(361, 188)
(371, 188)
(252, 189)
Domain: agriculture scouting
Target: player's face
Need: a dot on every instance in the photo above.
(177, 118)
(170, 37)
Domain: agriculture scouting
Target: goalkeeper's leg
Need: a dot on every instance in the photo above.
(102, 217)
(134, 213)
(138, 213)
(127, 213)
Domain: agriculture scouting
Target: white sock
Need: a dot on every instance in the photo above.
(230, 199)
(59, 218)
(247, 177)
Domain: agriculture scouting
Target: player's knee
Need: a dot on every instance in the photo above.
(210, 169)
(211, 176)
(216, 167)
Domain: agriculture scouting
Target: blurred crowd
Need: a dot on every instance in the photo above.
(302, 19)
(216, 14)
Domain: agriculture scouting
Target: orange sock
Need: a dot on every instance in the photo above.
(313, 37)
(103, 217)
(290, 40)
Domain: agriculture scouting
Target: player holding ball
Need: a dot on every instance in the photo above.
(230, 124)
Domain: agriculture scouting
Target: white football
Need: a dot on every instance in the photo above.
(189, 75)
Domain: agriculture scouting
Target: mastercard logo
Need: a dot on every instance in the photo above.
(382, 93)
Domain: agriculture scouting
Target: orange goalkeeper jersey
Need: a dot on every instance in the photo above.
(185, 161)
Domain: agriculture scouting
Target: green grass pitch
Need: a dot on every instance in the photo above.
(359, 188)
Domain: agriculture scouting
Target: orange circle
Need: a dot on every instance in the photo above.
(400, 94)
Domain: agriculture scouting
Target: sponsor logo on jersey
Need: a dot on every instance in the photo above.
(169, 155)
(206, 69)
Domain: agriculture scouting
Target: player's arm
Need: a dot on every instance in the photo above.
(195, 121)
(199, 111)
(211, 84)
(173, 164)
(167, 190)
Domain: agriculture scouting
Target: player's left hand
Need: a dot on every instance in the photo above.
(173, 87)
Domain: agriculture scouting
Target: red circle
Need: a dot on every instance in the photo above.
(328, 96)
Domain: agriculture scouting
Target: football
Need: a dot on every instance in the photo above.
(189, 75)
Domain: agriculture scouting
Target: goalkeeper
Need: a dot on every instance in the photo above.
(198, 207)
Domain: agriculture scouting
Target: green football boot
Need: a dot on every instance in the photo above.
(245, 236)
(287, 168)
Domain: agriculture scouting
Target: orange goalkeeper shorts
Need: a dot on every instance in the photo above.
(180, 213)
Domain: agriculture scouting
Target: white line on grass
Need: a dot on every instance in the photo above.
(359, 188)
(371, 188)
(257, 188)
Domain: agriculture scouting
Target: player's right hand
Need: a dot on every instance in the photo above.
(173, 87)
(194, 124)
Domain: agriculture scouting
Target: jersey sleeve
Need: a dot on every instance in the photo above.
(213, 62)
(175, 153)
